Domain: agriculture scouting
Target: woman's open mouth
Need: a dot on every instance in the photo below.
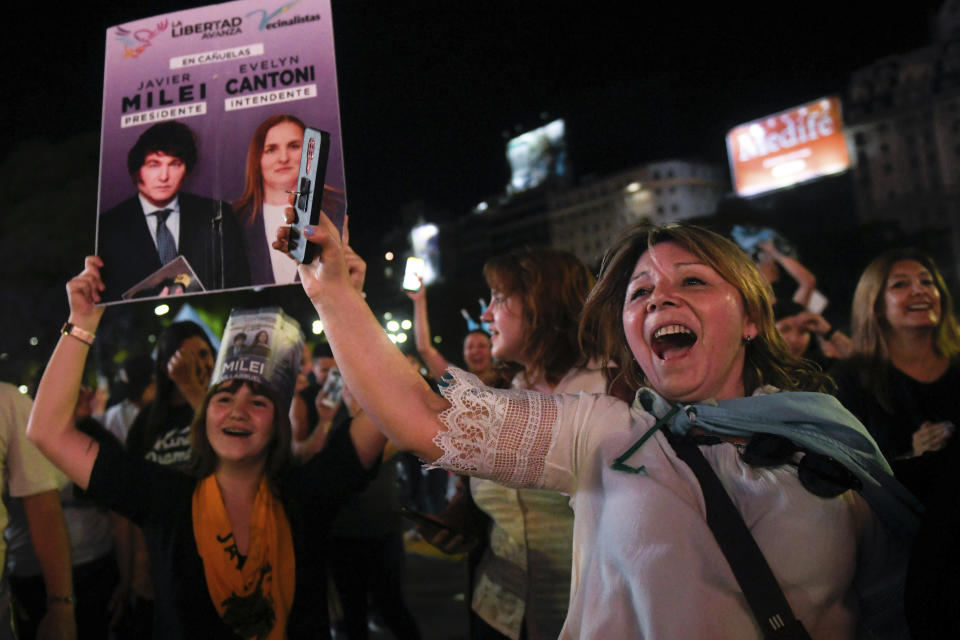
(236, 432)
(672, 340)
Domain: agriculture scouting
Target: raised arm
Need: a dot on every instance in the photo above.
(806, 281)
(52, 427)
(395, 396)
(367, 439)
(434, 360)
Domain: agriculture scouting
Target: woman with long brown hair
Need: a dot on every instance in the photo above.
(521, 582)
(273, 163)
(903, 378)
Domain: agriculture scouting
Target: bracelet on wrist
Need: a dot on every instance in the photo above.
(72, 330)
(68, 600)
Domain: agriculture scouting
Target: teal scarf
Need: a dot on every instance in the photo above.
(817, 422)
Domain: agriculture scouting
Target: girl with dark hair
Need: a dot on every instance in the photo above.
(185, 358)
(686, 318)
(161, 433)
(235, 545)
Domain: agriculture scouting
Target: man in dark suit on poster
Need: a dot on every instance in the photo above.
(143, 233)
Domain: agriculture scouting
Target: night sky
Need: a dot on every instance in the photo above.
(428, 89)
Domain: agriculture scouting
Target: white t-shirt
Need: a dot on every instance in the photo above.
(119, 418)
(284, 269)
(25, 471)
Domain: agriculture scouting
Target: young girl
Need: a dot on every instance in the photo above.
(235, 546)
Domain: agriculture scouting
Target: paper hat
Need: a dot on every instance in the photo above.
(263, 346)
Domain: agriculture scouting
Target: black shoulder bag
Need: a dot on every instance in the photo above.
(759, 586)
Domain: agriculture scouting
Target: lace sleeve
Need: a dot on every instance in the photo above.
(504, 435)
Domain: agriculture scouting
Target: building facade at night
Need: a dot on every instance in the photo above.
(586, 219)
(903, 125)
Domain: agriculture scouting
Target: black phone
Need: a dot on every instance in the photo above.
(309, 193)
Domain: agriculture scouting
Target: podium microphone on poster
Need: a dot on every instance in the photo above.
(217, 253)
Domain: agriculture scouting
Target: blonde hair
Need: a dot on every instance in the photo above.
(768, 360)
(868, 313)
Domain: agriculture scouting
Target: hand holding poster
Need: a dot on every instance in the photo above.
(203, 116)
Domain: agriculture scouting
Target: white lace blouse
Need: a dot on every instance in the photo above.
(524, 574)
(645, 563)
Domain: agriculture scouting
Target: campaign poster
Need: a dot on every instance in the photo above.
(203, 116)
(263, 346)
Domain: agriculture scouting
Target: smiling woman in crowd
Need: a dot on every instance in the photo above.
(903, 379)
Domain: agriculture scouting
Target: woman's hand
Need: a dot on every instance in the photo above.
(447, 541)
(813, 322)
(355, 264)
(325, 412)
(419, 294)
(334, 263)
(185, 369)
(931, 436)
(58, 623)
(769, 247)
(302, 383)
(83, 295)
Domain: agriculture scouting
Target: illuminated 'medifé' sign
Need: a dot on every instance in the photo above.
(792, 146)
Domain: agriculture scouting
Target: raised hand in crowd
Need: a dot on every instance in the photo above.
(189, 372)
(931, 436)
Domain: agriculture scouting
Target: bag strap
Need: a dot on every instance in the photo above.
(759, 586)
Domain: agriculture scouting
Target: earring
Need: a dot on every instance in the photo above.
(748, 339)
